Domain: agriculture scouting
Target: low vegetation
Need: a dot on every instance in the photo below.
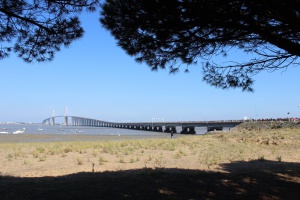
(251, 161)
(205, 152)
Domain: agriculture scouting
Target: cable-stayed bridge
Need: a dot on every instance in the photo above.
(187, 127)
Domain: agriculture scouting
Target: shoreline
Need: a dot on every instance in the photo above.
(28, 138)
(244, 164)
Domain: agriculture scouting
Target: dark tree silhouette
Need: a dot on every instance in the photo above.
(36, 29)
(171, 33)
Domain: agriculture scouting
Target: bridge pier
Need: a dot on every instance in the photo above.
(170, 129)
(214, 128)
(53, 121)
(66, 121)
(157, 128)
(140, 127)
(188, 130)
(147, 128)
(132, 127)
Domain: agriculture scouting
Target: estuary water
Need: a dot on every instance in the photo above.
(81, 130)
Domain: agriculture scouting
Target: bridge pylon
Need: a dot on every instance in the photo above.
(66, 121)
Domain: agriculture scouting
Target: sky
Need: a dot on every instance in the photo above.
(94, 78)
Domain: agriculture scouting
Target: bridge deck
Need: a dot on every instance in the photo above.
(187, 126)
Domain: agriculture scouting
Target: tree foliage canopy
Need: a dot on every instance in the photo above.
(37, 29)
(170, 33)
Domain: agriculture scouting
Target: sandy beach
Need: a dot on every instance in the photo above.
(244, 164)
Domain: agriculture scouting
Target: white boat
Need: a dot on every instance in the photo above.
(19, 131)
(78, 131)
(40, 129)
(4, 132)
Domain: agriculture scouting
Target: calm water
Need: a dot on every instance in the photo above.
(83, 130)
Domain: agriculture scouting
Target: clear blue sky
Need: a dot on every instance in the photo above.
(96, 79)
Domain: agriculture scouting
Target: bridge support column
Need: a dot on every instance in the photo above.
(140, 127)
(169, 129)
(188, 130)
(214, 128)
(66, 121)
(157, 128)
(53, 121)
